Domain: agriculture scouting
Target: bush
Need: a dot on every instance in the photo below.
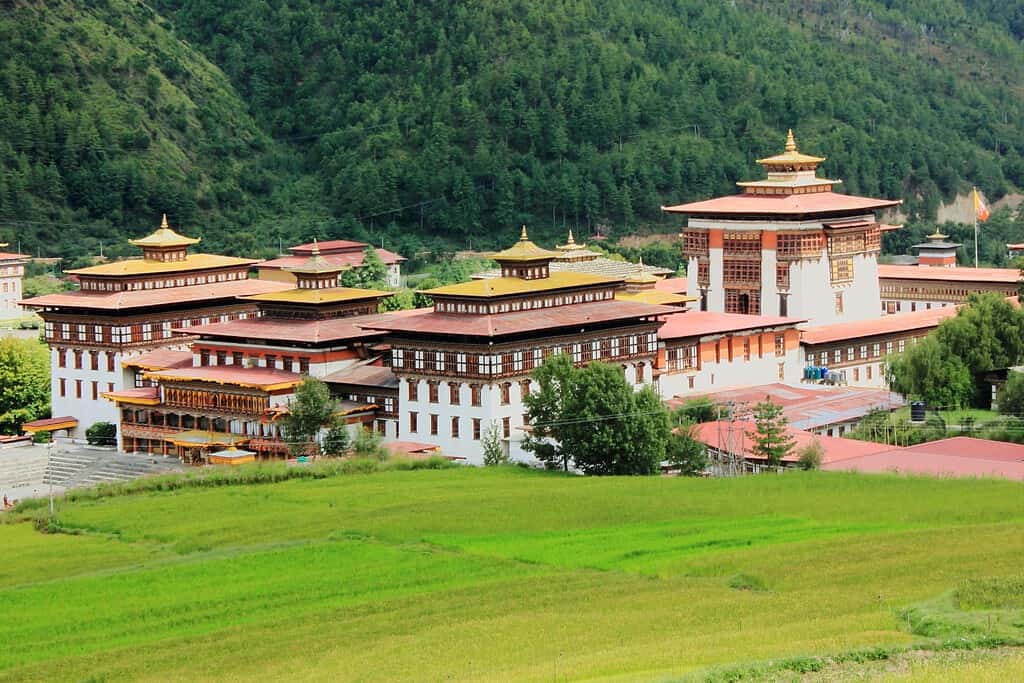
(101, 434)
(42, 437)
(811, 456)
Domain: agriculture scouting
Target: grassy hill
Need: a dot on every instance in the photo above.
(473, 574)
(448, 124)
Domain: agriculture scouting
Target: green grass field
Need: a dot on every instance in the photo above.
(473, 574)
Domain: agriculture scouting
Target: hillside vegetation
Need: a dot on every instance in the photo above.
(506, 574)
(416, 121)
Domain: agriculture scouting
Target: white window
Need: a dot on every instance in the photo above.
(837, 356)
(888, 347)
(483, 362)
(398, 358)
(417, 360)
(595, 350)
(901, 345)
(517, 361)
(97, 332)
(577, 353)
(652, 342)
(147, 332)
(633, 344)
(81, 333)
(166, 328)
(538, 357)
(849, 353)
(864, 351)
(49, 330)
(439, 361)
(615, 347)
(65, 331)
(460, 362)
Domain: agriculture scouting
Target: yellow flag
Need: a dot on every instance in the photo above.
(981, 210)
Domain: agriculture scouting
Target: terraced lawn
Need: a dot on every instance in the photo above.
(472, 574)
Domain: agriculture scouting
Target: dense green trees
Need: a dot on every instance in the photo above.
(771, 441)
(947, 367)
(311, 410)
(24, 383)
(592, 418)
(456, 122)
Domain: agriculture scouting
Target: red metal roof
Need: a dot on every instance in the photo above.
(673, 285)
(328, 247)
(699, 323)
(8, 256)
(970, 447)
(887, 324)
(575, 315)
(791, 205)
(806, 406)
(160, 359)
(343, 260)
(960, 274)
(46, 422)
(918, 460)
(716, 435)
(310, 331)
(146, 298)
(377, 376)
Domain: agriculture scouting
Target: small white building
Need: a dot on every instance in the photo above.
(12, 270)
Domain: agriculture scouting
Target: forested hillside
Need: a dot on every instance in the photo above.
(414, 121)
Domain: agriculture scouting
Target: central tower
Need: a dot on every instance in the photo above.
(786, 245)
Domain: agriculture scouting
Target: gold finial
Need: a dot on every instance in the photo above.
(523, 237)
(790, 141)
(315, 251)
(642, 268)
(163, 222)
(571, 241)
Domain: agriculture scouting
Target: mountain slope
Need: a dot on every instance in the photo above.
(458, 121)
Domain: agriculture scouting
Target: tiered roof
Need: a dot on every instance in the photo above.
(792, 188)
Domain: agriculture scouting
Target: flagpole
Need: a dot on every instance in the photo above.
(975, 227)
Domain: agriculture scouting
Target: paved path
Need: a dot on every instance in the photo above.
(28, 471)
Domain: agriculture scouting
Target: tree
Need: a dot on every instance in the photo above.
(930, 372)
(24, 383)
(373, 273)
(1011, 396)
(545, 405)
(771, 441)
(101, 434)
(336, 440)
(811, 455)
(594, 419)
(310, 410)
(684, 452)
(494, 452)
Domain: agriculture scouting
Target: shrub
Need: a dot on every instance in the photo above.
(101, 434)
(42, 437)
(811, 456)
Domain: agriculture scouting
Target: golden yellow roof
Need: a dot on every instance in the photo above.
(791, 155)
(570, 244)
(318, 296)
(641, 276)
(140, 266)
(164, 237)
(505, 286)
(655, 296)
(524, 250)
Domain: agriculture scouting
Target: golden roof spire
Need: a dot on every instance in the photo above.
(641, 276)
(790, 141)
(164, 237)
(791, 156)
(523, 236)
(316, 263)
(571, 240)
(524, 250)
(315, 251)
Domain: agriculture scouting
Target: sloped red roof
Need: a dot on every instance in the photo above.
(328, 247)
(311, 331)
(919, 460)
(9, 256)
(791, 205)
(160, 359)
(377, 376)
(970, 447)
(343, 259)
(146, 298)
(673, 285)
(575, 315)
(887, 324)
(230, 374)
(959, 274)
(684, 324)
(716, 434)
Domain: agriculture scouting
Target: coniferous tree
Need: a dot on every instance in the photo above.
(771, 441)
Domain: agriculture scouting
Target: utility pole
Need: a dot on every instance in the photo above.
(49, 471)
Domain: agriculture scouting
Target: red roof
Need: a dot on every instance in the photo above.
(1015, 247)
(887, 324)
(328, 247)
(343, 260)
(139, 393)
(970, 447)
(964, 274)
(673, 285)
(699, 323)
(146, 298)
(49, 422)
(792, 205)
(575, 315)
(806, 406)
(8, 256)
(743, 434)
(160, 359)
(310, 331)
(939, 461)
(377, 376)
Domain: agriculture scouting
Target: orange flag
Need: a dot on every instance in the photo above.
(980, 207)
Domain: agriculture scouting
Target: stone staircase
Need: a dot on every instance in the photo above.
(72, 466)
(22, 468)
